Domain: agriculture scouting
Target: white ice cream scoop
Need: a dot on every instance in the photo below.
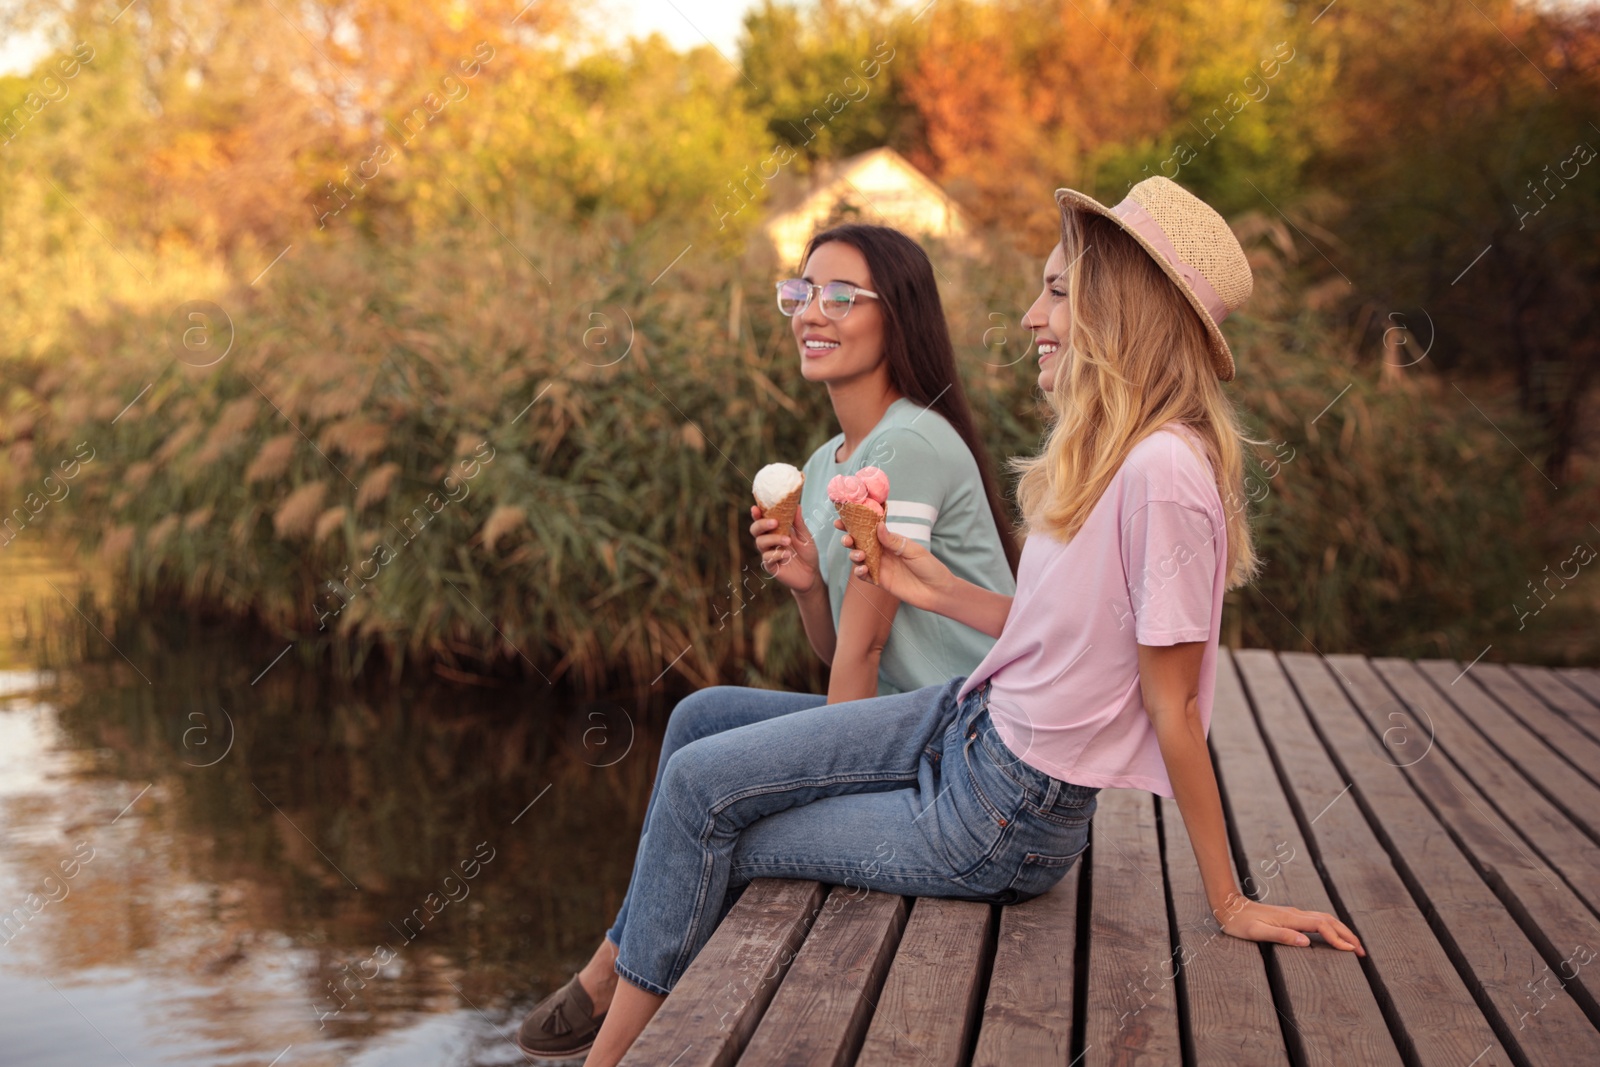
(774, 483)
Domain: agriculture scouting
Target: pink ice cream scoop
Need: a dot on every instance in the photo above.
(847, 489)
(859, 498)
(876, 483)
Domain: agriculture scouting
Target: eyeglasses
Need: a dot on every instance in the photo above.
(794, 295)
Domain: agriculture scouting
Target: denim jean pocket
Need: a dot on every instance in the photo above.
(997, 786)
(1037, 872)
(982, 804)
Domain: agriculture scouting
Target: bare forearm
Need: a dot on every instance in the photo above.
(1194, 787)
(854, 676)
(816, 615)
(982, 609)
(866, 618)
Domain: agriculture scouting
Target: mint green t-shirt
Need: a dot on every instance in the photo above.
(936, 497)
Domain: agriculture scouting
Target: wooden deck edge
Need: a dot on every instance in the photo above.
(710, 1016)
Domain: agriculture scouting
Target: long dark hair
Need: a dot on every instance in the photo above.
(916, 342)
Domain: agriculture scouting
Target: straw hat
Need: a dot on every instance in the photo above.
(1189, 241)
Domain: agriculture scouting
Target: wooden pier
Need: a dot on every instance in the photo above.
(1450, 815)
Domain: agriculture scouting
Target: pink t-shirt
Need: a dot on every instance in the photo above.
(1147, 567)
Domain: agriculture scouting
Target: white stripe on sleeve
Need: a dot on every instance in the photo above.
(910, 509)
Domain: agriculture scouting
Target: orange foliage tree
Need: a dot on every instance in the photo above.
(1017, 95)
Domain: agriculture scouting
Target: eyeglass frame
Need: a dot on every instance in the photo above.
(812, 288)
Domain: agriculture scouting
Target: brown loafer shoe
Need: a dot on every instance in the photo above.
(562, 1026)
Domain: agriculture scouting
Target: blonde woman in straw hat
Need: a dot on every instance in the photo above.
(1102, 673)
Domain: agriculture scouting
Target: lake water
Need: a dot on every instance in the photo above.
(211, 854)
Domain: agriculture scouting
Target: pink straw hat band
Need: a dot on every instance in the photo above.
(1137, 219)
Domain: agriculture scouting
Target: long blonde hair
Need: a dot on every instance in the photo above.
(1136, 358)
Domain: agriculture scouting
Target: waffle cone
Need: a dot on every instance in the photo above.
(862, 524)
(784, 510)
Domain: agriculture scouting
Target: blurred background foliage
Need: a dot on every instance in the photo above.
(439, 228)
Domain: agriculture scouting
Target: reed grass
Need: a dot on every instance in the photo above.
(605, 542)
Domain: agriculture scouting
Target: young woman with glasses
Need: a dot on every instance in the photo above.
(869, 326)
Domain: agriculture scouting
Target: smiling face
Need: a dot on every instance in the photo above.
(838, 350)
(1049, 318)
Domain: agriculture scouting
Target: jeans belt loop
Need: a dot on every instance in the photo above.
(1050, 794)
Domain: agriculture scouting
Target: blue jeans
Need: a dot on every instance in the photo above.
(912, 793)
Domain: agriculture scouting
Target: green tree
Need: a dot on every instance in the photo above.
(827, 79)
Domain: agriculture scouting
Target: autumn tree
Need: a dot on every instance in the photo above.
(1017, 96)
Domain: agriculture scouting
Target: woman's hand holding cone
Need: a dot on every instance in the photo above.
(905, 568)
(792, 559)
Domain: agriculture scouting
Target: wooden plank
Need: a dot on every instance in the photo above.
(1471, 922)
(1329, 1009)
(1507, 826)
(1133, 1000)
(1027, 1017)
(1413, 976)
(1584, 680)
(718, 1001)
(1224, 981)
(1565, 739)
(1568, 701)
(822, 1010)
(930, 1002)
(1565, 787)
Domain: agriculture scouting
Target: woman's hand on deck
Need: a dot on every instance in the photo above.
(905, 568)
(790, 558)
(1254, 921)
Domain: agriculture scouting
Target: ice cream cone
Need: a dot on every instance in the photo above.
(784, 511)
(862, 523)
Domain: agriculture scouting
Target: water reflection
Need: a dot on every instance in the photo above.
(288, 872)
